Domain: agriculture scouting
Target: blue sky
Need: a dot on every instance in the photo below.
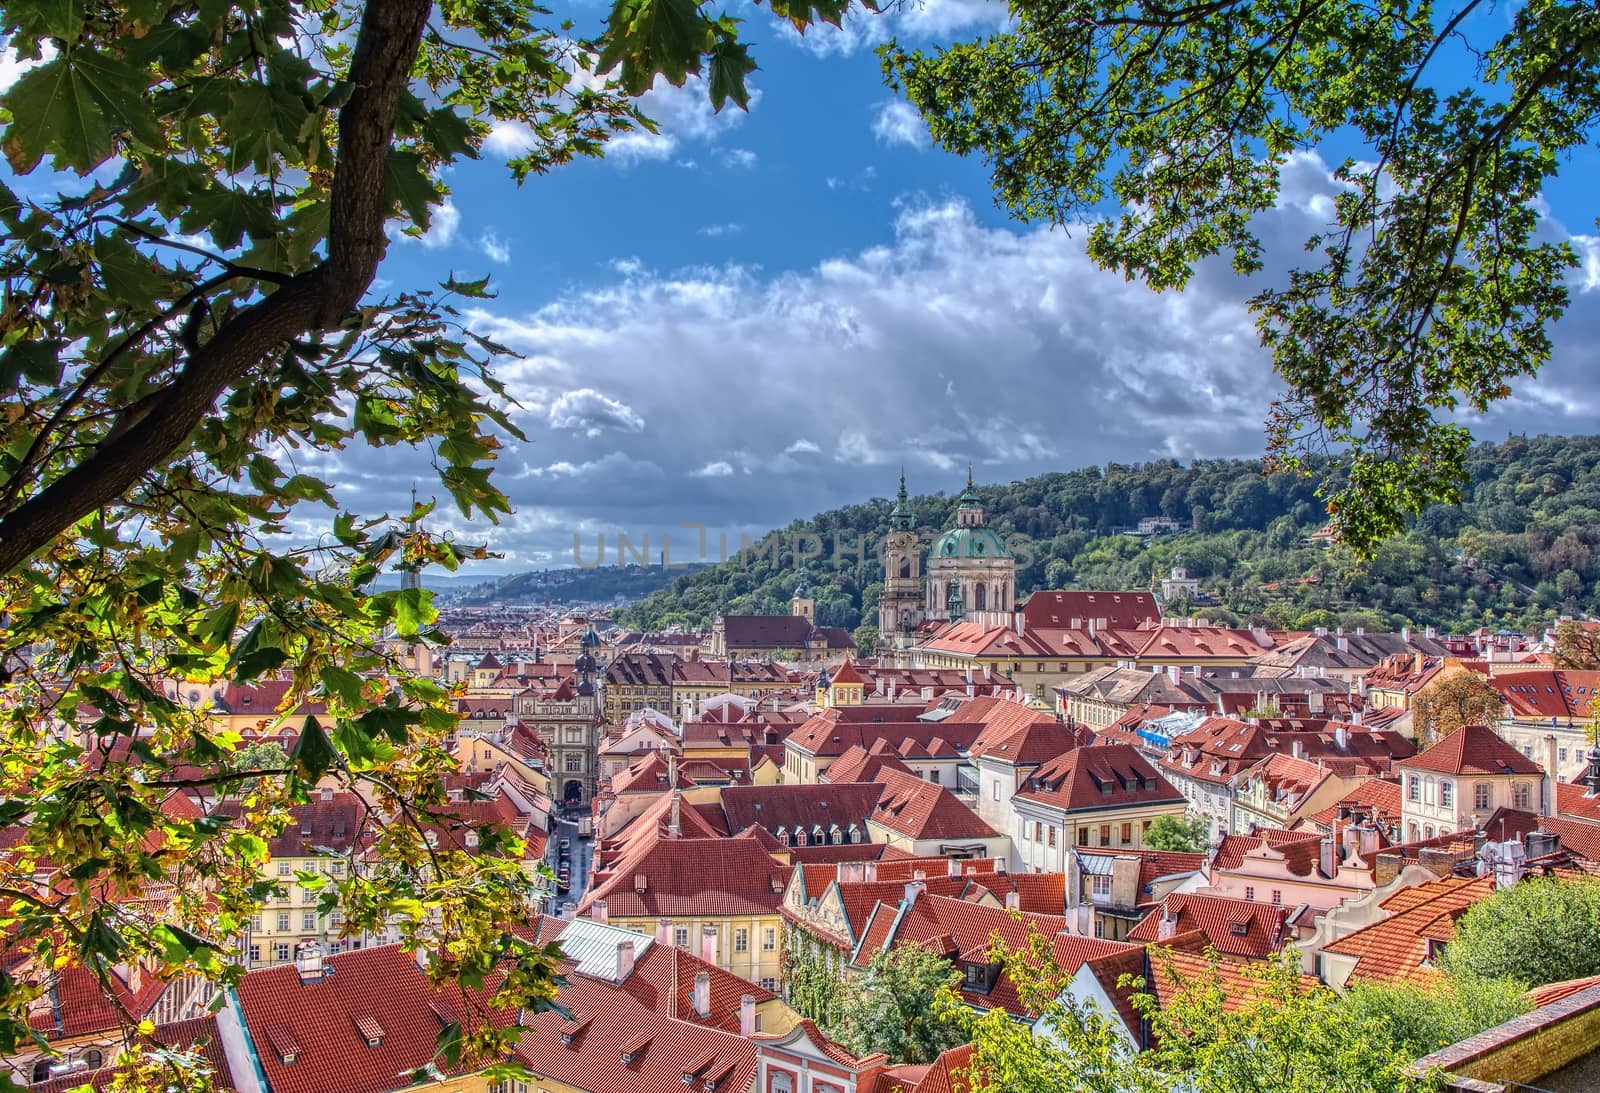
(749, 318)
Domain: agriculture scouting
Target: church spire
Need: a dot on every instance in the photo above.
(410, 572)
(901, 516)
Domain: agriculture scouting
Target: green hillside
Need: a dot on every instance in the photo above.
(599, 584)
(1522, 548)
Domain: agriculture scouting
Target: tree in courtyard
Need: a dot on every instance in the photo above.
(1541, 930)
(188, 329)
(889, 1008)
(1577, 646)
(1418, 1020)
(1461, 698)
(1183, 833)
(1435, 280)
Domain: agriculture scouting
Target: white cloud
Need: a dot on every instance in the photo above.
(498, 250)
(591, 413)
(923, 20)
(442, 229)
(954, 341)
(897, 122)
(12, 67)
(715, 230)
(740, 157)
(683, 115)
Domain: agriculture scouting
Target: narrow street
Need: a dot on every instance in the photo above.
(581, 851)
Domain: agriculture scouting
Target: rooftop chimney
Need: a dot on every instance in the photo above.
(702, 993)
(599, 912)
(308, 962)
(913, 890)
(869, 872)
(953, 867)
(1013, 901)
(624, 960)
(1168, 925)
(1000, 866)
(747, 1016)
(708, 945)
(664, 932)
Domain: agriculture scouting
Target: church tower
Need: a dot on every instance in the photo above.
(972, 575)
(803, 604)
(900, 605)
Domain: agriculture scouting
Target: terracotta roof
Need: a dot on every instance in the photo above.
(1472, 749)
(1233, 926)
(197, 1035)
(1536, 695)
(663, 982)
(1375, 799)
(1018, 734)
(846, 673)
(1574, 801)
(1099, 777)
(858, 764)
(1231, 851)
(789, 807)
(1551, 993)
(834, 731)
(1394, 948)
(693, 877)
(1182, 962)
(1073, 609)
(924, 810)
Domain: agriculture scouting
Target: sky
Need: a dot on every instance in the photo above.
(752, 317)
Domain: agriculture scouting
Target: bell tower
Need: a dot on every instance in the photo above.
(900, 605)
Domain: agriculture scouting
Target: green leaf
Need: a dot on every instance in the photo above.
(71, 107)
(343, 683)
(730, 64)
(408, 187)
(37, 361)
(313, 753)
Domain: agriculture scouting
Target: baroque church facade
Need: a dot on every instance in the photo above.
(969, 575)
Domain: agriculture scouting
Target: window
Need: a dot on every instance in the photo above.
(335, 920)
(283, 921)
(308, 921)
(1561, 755)
(280, 952)
(1099, 927)
(255, 923)
(769, 983)
(994, 790)
(1105, 834)
(93, 1060)
(1083, 836)
(1127, 834)
(1447, 794)
(741, 941)
(1050, 837)
(574, 764)
(255, 954)
(1100, 886)
(1480, 795)
(283, 869)
(769, 940)
(338, 868)
(1413, 788)
(1521, 795)
(1277, 897)
(1427, 831)
(680, 937)
(41, 1069)
(1249, 893)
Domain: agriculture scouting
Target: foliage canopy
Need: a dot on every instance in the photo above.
(1434, 282)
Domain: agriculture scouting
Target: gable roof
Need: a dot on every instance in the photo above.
(1393, 949)
(1099, 777)
(787, 807)
(925, 810)
(1235, 927)
(693, 877)
(1472, 749)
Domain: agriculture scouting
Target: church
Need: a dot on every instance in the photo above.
(970, 575)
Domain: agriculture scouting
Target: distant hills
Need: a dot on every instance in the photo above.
(1523, 547)
(598, 584)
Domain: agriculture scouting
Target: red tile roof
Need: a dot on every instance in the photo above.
(924, 810)
(858, 764)
(1231, 851)
(1394, 948)
(693, 877)
(1052, 609)
(832, 732)
(1575, 801)
(1233, 926)
(789, 806)
(1551, 993)
(1099, 777)
(1472, 749)
(1540, 696)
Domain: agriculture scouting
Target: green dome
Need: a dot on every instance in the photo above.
(969, 543)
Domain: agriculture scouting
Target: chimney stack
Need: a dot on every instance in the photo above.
(953, 867)
(747, 1016)
(600, 912)
(913, 890)
(624, 960)
(664, 932)
(869, 872)
(1013, 900)
(1329, 857)
(702, 994)
(708, 945)
(1000, 866)
(1168, 924)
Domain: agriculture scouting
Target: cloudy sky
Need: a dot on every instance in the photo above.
(748, 318)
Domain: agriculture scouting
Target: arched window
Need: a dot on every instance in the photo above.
(1411, 835)
(1427, 831)
(783, 835)
(41, 1069)
(93, 1059)
(905, 567)
(980, 598)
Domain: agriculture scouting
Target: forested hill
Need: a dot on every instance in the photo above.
(1523, 547)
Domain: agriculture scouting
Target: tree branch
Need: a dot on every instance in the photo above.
(386, 48)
